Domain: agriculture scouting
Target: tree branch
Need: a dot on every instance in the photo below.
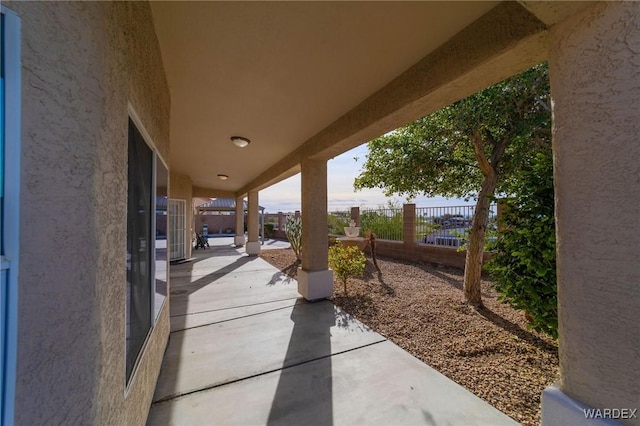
(483, 162)
(498, 150)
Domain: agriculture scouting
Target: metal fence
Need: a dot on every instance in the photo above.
(449, 226)
(385, 223)
(337, 221)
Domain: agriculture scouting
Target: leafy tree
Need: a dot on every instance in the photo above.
(524, 264)
(471, 148)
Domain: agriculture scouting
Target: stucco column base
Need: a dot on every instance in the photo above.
(560, 409)
(253, 248)
(239, 240)
(315, 285)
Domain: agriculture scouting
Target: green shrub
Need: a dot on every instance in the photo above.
(346, 262)
(524, 265)
(294, 234)
(268, 230)
(385, 227)
(337, 223)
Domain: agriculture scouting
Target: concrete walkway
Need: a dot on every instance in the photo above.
(245, 350)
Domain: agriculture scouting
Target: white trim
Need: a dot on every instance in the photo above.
(559, 409)
(11, 39)
(145, 135)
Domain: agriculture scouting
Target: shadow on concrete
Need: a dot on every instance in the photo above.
(516, 330)
(279, 277)
(286, 274)
(305, 389)
(211, 277)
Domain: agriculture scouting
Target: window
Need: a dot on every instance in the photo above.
(147, 270)
(139, 245)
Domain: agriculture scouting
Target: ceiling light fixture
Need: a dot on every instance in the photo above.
(239, 141)
(223, 177)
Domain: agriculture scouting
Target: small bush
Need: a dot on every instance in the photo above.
(337, 223)
(294, 234)
(524, 264)
(346, 262)
(268, 230)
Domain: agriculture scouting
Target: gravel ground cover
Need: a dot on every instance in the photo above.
(420, 307)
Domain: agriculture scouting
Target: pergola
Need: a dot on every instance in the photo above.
(229, 205)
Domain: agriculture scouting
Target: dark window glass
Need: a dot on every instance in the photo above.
(139, 245)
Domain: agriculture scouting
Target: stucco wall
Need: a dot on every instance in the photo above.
(180, 188)
(81, 65)
(595, 83)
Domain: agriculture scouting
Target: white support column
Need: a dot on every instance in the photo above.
(253, 245)
(239, 238)
(595, 85)
(315, 279)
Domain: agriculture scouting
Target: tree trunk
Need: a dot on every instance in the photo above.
(475, 246)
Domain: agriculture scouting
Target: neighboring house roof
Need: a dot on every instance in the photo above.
(222, 204)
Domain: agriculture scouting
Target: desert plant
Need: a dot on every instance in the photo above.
(294, 234)
(346, 262)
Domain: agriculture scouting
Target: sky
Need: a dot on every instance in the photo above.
(341, 172)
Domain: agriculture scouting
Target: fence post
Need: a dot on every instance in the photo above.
(296, 214)
(280, 221)
(355, 215)
(409, 225)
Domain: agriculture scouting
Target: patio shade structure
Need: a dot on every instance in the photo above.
(304, 82)
(229, 205)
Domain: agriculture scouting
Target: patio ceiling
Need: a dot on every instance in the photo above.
(317, 78)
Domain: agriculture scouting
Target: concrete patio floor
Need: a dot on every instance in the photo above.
(246, 350)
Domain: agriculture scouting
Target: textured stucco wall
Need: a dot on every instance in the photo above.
(180, 188)
(81, 65)
(595, 81)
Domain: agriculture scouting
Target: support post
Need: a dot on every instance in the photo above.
(315, 279)
(595, 85)
(253, 245)
(239, 238)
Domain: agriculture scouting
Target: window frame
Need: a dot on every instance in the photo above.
(9, 259)
(156, 157)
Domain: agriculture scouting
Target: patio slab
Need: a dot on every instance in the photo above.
(246, 350)
(223, 352)
(379, 384)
